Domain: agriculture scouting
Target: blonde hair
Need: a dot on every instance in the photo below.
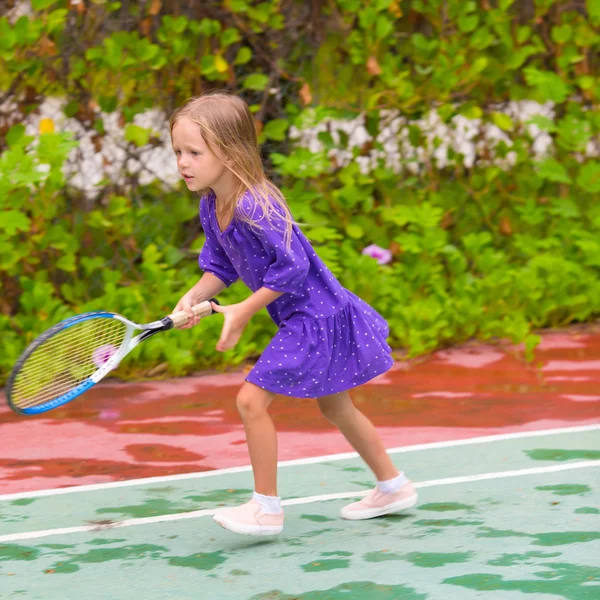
(227, 124)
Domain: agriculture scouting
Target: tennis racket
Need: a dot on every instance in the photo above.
(68, 359)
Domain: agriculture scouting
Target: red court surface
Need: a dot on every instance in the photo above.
(126, 431)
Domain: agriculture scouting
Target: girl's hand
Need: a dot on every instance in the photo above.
(236, 319)
(187, 301)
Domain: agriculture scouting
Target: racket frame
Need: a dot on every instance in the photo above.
(127, 345)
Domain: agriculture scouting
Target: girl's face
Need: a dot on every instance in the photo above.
(197, 164)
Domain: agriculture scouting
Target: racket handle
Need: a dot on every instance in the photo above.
(200, 310)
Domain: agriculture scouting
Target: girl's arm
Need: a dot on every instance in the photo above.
(259, 299)
(238, 315)
(207, 287)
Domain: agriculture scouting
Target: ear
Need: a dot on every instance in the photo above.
(219, 154)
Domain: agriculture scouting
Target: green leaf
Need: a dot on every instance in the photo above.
(136, 134)
(355, 231)
(468, 23)
(589, 177)
(470, 111)
(552, 170)
(405, 89)
(367, 17)
(230, 36)
(573, 133)
(504, 5)
(586, 82)
(479, 65)
(209, 27)
(516, 58)
(446, 112)
(78, 69)
(474, 242)
(549, 85)
(145, 51)
(41, 4)
(56, 18)
(415, 136)
(593, 10)
(208, 65)
(384, 27)
(523, 33)
(503, 121)
(66, 263)
(482, 38)
(92, 264)
(179, 24)
(565, 208)
(562, 33)
(13, 221)
(8, 38)
(323, 234)
(276, 129)
(256, 81)
(113, 53)
(420, 42)
(243, 56)
(108, 103)
(543, 123)
(15, 133)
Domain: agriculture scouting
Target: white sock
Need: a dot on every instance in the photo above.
(391, 486)
(271, 505)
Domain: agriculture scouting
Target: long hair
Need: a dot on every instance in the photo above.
(227, 124)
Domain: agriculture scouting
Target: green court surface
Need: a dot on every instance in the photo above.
(506, 517)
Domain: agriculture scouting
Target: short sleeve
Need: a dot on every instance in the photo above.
(213, 259)
(288, 267)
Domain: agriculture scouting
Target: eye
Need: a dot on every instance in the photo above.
(194, 153)
(177, 152)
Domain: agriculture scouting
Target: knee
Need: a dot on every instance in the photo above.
(252, 402)
(334, 408)
(329, 412)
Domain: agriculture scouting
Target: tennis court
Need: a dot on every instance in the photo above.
(506, 457)
(515, 514)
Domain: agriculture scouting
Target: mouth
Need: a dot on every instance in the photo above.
(187, 177)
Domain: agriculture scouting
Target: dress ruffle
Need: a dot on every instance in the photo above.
(314, 357)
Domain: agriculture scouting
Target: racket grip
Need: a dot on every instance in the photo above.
(200, 310)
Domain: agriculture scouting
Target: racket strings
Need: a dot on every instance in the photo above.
(66, 359)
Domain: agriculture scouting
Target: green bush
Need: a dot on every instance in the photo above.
(496, 249)
(118, 256)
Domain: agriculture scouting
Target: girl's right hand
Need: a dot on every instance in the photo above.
(187, 301)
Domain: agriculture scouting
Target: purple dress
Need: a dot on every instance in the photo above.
(329, 340)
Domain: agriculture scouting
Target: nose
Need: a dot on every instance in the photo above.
(181, 161)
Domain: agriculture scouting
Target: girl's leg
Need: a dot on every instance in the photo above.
(253, 404)
(262, 515)
(360, 432)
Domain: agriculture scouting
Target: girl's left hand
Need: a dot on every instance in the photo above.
(236, 319)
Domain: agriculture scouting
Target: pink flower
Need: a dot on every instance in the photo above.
(109, 414)
(103, 354)
(381, 255)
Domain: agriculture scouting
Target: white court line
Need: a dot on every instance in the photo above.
(290, 463)
(13, 537)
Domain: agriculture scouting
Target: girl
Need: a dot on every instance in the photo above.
(328, 341)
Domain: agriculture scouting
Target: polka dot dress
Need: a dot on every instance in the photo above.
(329, 340)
